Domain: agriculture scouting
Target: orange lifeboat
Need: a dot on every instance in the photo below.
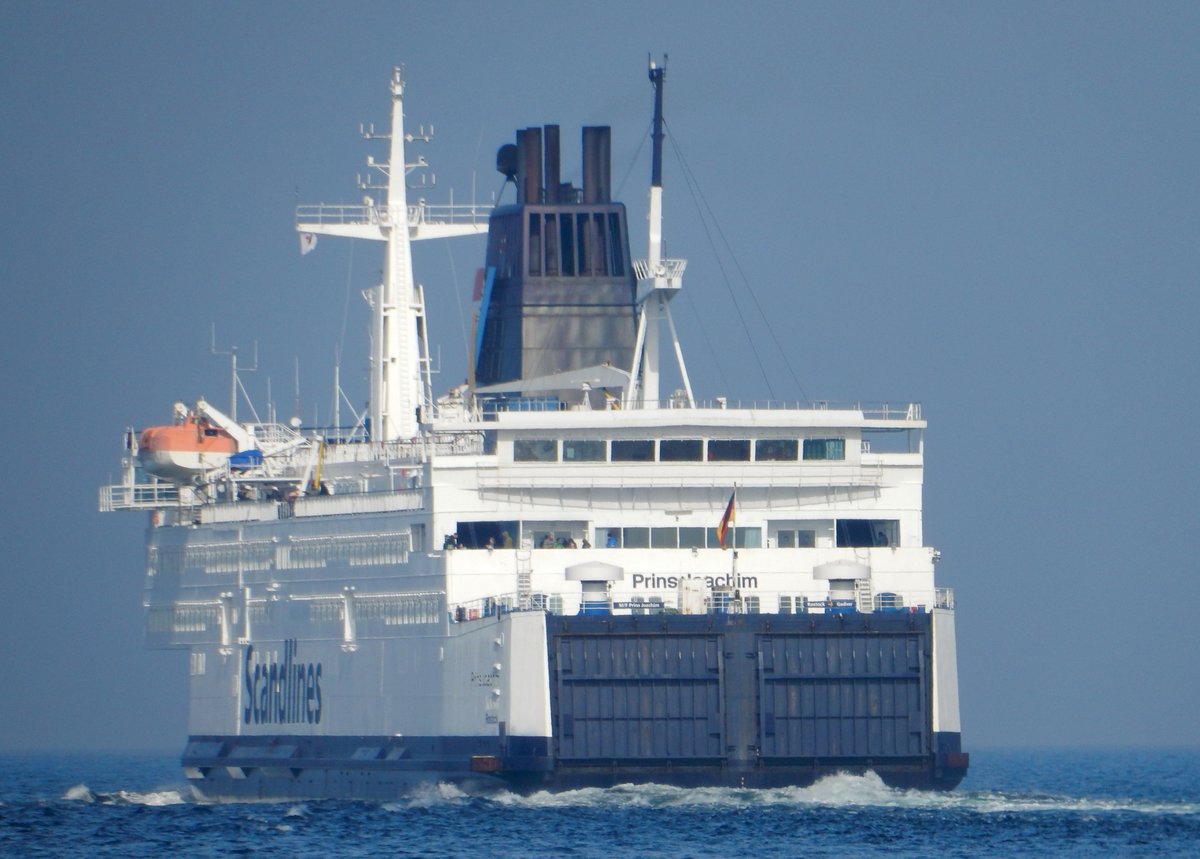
(182, 451)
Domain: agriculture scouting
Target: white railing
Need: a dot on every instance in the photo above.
(138, 496)
(671, 269)
(870, 411)
(716, 602)
(330, 214)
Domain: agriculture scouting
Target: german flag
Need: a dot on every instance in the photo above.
(727, 520)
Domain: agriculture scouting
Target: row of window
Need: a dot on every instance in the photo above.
(678, 450)
(572, 534)
(311, 552)
(677, 538)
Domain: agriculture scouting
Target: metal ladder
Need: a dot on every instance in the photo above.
(524, 577)
(864, 600)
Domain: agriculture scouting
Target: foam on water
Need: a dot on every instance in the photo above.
(429, 796)
(1076, 805)
(83, 793)
(837, 791)
(79, 793)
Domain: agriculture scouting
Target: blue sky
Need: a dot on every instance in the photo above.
(990, 208)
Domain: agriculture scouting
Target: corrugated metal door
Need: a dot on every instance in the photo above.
(852, 694)
(637, 696)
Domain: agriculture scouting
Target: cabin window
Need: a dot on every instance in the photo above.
(729, 450)
(583, 450)
(681, 450)
(748, 538)
(864, 533)
(676, 538)
(793, 605)
(888, 601)
(791, 538)
(633, 450)
(775, 449)
(824, 448)
(737, 538)
(636, 538)
(664, 538)
(535, 450)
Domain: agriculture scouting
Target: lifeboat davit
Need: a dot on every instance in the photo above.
(183, 451)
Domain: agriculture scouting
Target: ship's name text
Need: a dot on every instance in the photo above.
(279, 693)
(729, 580)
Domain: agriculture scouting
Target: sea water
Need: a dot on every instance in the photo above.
(1111, 803)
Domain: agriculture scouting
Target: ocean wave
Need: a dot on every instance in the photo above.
(429, 796)
(155, 798)
(842, 790)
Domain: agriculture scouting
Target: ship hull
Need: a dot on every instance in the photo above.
(754, 701)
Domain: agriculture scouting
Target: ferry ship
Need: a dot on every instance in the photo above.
(553, 576)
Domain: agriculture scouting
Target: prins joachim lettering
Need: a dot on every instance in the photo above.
(282, 692)
(728, 580)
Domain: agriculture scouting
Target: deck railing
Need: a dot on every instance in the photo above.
(330, 214)
(718, 602)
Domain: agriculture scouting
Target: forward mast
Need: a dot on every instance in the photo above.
(401, 396)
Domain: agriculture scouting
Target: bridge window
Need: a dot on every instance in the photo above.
(824, 448)
(681, 450)
(633, 450)
(775, 449)
(583, 450)
(729, 450)
(535, 450)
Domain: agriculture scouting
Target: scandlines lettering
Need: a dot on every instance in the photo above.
(280, 693)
